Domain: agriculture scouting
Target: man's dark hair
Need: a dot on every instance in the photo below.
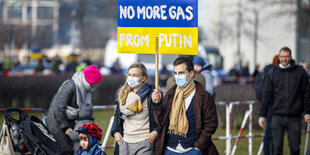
(286, 49)
(188, 62)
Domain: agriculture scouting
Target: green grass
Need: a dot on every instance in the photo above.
(102, 118)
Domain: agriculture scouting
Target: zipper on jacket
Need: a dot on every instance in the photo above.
(286, 93)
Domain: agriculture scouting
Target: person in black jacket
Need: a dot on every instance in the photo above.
(259, 88)
(287, 89)
(134, 128)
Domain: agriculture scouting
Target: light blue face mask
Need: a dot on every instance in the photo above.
(133, 82)
(180, 80)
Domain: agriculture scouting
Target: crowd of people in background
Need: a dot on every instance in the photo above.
(53, 65)
(75, 63)
(181, 121)
(243, 70)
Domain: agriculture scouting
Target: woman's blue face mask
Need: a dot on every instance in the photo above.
(180, 80)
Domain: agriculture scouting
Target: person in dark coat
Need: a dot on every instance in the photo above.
(134, 128)
(287, 91)
(70, 97)
(268, 147)
(187, 115)
(256, 70)
(56, 62)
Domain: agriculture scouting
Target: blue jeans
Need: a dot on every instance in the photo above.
(193, 151)
(268, 147)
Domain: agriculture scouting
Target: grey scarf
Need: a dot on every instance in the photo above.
(83, 89)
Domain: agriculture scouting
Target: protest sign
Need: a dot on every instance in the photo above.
(173, 22)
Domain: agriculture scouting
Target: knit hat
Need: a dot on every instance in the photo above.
(92, 74)
(198, 60)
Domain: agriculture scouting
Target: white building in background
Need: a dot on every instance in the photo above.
(219, 19)
(36, 13)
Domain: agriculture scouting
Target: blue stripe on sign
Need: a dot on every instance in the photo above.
(157, 13)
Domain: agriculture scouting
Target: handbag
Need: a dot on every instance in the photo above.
(6, 146)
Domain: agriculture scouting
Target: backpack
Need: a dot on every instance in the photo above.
(260, 80)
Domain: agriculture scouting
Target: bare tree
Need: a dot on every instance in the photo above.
(300, 9)
(239, 24)
(94, 18)
(20, 33)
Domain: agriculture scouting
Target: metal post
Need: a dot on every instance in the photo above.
(260, 150)
(107, 134)
(247, 114)
(228, 138)
(250, 128)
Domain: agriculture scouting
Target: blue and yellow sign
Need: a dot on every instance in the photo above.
(174, 22)
(36, 53)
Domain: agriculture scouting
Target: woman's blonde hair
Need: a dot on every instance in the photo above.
(125, 89)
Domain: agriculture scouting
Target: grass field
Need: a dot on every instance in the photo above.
(102, 118)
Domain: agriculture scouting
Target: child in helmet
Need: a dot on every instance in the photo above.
(90, 135)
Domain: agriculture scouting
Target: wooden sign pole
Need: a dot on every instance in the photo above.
(156, 63)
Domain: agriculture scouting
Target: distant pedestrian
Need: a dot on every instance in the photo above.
(163, 76)
(72, 96)
(39, 68)
(204, 68)
(259, 89)
(233, 72)
(116, 67)
(87, 60)
(56, 62)
(7, 64)
(256, 71)
(245, 71)
(72, 63)
(287, 90)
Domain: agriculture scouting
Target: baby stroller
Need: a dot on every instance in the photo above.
(29, 134)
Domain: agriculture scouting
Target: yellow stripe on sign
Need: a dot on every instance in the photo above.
(36, 56)
(179, 41)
